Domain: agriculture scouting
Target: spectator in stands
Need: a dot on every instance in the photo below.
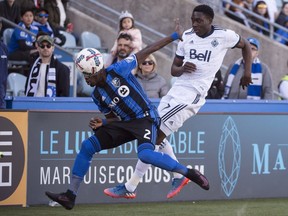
(124, 49)
(21, 46)
(126, 25)
(261, 77)
(57, 15)
(41, 21)
(248, 4)
(153, 84)
(11, 11)
(283, 15)
(261, 26)
(283, 88)
(216, 90)
(30, 3)
(3, 71)
(48, 76)
(271, 7)
(282, 35)
(236, 13)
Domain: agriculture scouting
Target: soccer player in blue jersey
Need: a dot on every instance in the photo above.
(129, 115)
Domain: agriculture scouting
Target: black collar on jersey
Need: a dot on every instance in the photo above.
(208, 33)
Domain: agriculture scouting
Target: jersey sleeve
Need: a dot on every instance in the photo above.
(125, 66)
(232, 38)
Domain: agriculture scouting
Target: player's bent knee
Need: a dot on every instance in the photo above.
(145, 152)
(90, 146)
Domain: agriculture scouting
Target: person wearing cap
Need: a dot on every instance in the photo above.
(126, 25)
(261, 88)
(48, 76)
(3, 71)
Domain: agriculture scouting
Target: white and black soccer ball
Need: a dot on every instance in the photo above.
(89, 60)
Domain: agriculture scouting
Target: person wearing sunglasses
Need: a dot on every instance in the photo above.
(48, 76)
(153, 84)
(41, 21)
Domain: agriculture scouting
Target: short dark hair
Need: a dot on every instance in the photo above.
(206, 9)
(125, 36)
(26, 9)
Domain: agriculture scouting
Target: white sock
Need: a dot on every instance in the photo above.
(166, 148)
(137, 175)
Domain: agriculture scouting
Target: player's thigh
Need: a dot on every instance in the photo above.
(145, 130)
(112, 135)
(175, 113)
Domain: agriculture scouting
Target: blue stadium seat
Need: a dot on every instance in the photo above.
(90, 40)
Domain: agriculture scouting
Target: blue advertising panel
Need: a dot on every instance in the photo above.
(243, 156)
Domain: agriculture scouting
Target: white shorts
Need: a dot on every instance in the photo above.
(174, 113)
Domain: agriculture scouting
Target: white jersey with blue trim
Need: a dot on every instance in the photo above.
(207, 54)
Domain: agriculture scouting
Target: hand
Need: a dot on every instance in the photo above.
(245, 81)
(178, 28)
(188, 67)
(95, 123)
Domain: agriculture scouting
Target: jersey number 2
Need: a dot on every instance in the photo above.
(147, 134)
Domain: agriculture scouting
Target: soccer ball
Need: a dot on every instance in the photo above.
(89, 60)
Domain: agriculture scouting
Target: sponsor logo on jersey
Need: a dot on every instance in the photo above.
(200, 56)
(123, 91)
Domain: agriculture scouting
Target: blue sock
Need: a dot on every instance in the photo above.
(82, 162)
(147, 154)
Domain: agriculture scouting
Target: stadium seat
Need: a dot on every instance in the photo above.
(16, 84)
(90, 40)
(7, 35)
(70, 40)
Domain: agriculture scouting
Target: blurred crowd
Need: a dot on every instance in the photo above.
(268, 17)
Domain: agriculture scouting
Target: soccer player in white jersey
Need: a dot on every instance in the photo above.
(198, 57)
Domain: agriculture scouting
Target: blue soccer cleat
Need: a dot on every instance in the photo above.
(177, 185)
(120, 191)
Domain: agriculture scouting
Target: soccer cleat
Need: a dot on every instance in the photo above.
(195, 176)
(67, 199)
(177, 185)
(120, 191)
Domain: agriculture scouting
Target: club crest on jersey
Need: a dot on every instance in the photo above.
(123, 91)
(116, 82)
(214, 43)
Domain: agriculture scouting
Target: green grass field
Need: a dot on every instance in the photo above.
(253, 207)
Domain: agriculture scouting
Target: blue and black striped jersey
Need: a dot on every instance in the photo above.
(123, 95)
